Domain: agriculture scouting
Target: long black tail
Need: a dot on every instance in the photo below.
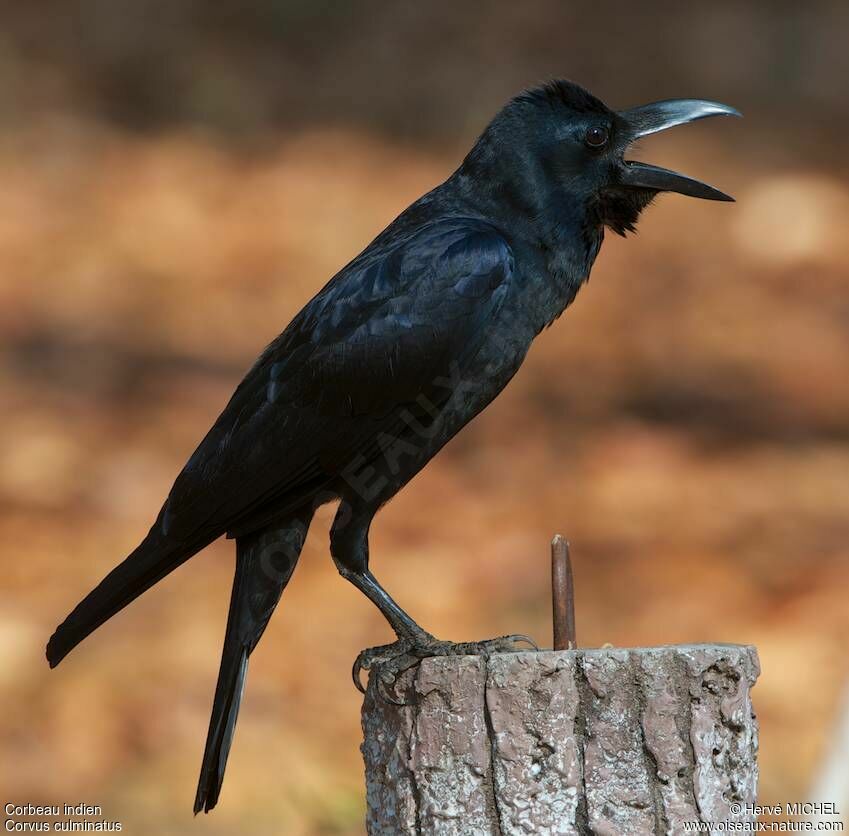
(148, 563)
(264, 564)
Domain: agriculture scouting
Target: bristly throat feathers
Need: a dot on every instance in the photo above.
(571, 257)
(561, 231)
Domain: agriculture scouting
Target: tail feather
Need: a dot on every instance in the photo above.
(265, 561)
(264, 564)
(151, 561)
(222, 724)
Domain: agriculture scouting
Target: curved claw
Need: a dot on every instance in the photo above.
(356, 670)
(373, 657)
(521, 637)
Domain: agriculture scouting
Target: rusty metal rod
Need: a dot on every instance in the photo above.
(562, 595)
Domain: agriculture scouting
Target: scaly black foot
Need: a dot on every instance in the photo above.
(389, 661)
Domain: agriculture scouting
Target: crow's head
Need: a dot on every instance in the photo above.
(560, 140)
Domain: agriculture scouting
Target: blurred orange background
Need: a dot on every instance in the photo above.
(178, 178)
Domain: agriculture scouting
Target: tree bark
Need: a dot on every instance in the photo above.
(609, 741)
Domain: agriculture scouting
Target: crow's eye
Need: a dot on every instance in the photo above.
(596, 136)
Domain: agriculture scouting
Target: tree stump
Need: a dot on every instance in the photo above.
(608, 741)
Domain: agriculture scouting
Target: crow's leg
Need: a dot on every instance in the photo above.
(349, 547)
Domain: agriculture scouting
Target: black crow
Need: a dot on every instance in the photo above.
(393, 357)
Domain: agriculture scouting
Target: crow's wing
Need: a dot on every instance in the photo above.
(389, 328)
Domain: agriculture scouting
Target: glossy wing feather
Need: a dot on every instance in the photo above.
(370, 342)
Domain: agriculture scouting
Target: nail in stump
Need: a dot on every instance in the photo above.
(562, 595)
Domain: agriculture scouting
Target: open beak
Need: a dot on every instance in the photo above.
(659, 116)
